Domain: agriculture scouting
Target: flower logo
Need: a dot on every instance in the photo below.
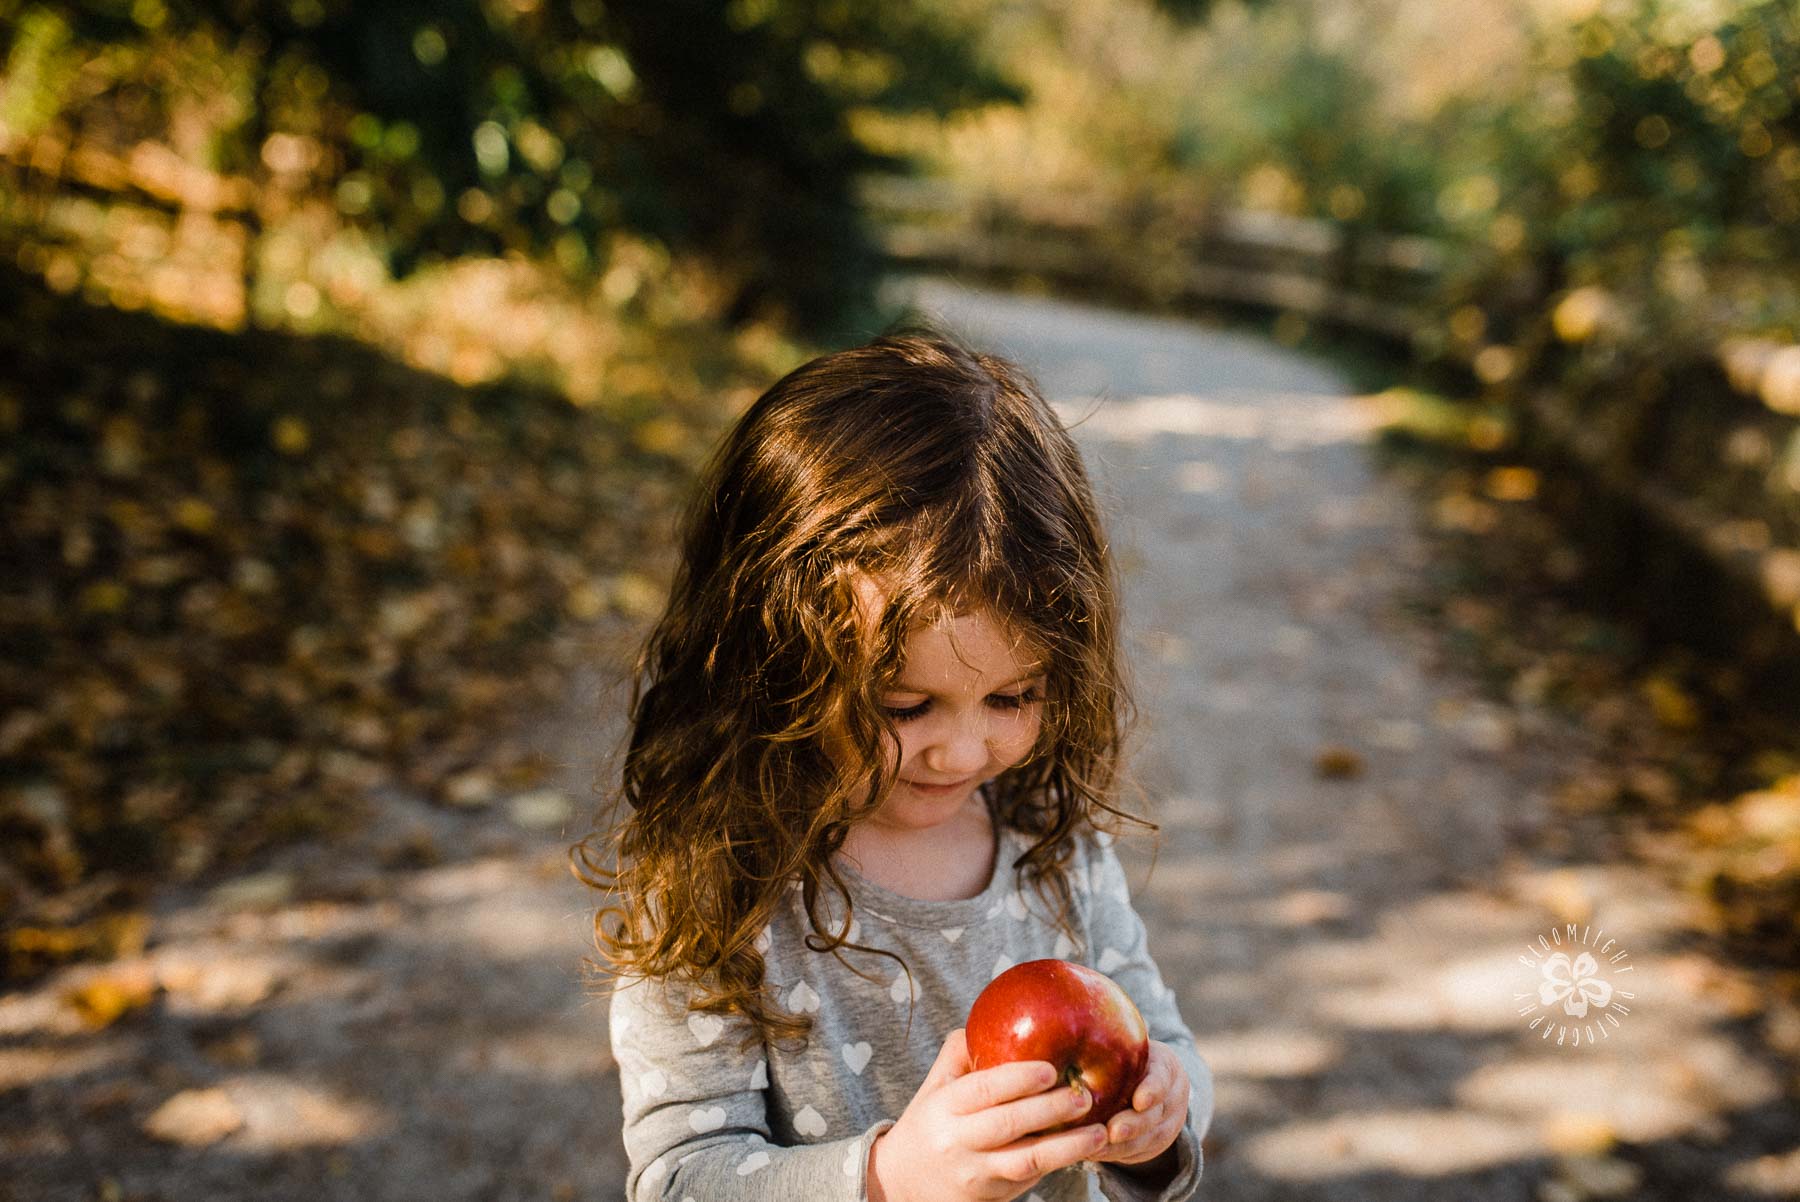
(1577, 989)
(1574, 984)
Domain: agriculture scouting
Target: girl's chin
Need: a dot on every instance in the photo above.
(910, 808)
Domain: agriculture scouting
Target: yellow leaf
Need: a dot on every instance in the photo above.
(636, 596)
(191, 513)
(1581, 314)
(104, 1000)
(661, 435)
(1674, 708)
(1511, 484)
(291, 436)
(104, 597)
(121, 446)
(585, 602)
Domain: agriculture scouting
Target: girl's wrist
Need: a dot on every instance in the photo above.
(875, 1191)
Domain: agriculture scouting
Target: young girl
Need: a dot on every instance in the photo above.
(873, 740)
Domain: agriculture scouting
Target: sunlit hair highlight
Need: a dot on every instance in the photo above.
(757, 729)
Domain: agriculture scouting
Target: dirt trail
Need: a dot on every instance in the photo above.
(400, 1014)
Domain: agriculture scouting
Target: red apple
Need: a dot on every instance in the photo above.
(1077, 1019)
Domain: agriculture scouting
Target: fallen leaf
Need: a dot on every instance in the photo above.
(1336, 762)
(104, 1000)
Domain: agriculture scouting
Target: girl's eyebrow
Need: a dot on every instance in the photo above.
(903, 687)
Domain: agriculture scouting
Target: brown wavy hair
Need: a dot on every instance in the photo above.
(757, 729)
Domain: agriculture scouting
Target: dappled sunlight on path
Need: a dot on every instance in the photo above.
(399, 1013)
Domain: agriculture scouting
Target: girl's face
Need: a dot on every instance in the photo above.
(967, 706)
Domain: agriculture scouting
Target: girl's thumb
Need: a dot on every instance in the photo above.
(952, 1060)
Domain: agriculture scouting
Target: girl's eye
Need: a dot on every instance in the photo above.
(1005, 701)
(1016, 701)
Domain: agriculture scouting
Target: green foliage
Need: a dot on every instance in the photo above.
(1689, 126)
(479, 126)
(1650, 153)
(1313, 115)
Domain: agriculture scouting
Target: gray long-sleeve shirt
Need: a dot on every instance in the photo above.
(706, 1123)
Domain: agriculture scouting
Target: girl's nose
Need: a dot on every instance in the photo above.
(962, 750)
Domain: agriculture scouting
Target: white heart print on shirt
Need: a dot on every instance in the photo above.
(706, 1028)
(803, 999)
(809, 1122)
(952, 933)
(759, 1076)
(1065, 946)
(1111, 958)
(653, 1084)
(710, 1119)
(903, 989)
(856, 1055)
(753, 1163)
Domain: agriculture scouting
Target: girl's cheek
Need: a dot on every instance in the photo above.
(1022, 735)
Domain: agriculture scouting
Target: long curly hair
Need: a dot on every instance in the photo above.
(757, 731)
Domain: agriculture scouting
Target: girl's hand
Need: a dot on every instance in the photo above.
(963, 1136)
(1158, 1111)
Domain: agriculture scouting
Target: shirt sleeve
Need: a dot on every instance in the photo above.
(1118, 946)
(695, 1117)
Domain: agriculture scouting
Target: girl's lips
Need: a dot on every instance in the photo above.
(949, 788)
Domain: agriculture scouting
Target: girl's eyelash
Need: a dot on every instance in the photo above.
(1007, 701)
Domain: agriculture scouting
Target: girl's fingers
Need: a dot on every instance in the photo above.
(1003, 1125)
(1028, 1161)
(1157, 1078)
(1133, 1125)
(986, 1088)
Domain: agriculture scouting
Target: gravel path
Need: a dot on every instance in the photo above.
(1344, 894)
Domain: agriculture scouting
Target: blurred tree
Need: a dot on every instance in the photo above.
(475, 126)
